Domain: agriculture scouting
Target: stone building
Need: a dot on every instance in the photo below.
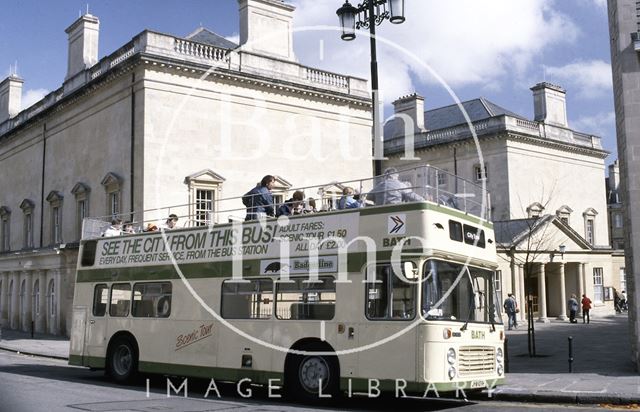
(624, 34)
(614, 204)
(163, 120)
(548, 203)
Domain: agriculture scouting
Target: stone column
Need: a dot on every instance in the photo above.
(522, 293)
(581, 289)
(542, 295)
(15, 301)
(4, 296)
(25, 311)
(41, 318)
(563, 293)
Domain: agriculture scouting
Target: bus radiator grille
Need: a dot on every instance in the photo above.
(476, 361)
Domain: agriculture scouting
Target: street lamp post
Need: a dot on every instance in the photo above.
(369, 14)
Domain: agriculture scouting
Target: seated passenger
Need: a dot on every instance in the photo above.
(390, 190)
(114, 230)
(259, 201)
(311, 206)
(348, 200)
(151, 228)
(292, 206)
(128, 228)
(170, 223)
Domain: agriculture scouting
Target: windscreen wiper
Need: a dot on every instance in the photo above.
(472, 304)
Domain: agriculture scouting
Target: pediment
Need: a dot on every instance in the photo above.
(54, 196)
(111, 179)
(80, 188)
(548, 235)
(204, 176)
(282, 183)
(4, 211)
(27, 205)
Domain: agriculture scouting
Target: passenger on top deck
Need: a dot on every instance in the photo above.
(170, 223)
(292, 206)
(311, 206)
(259, 201)
(348, 200)
(390, 190)
(128, 228)
(114, 230)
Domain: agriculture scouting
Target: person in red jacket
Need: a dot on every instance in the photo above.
(586, 306)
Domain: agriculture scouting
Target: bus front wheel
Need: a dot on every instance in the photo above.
(123, 360)
(313, 377)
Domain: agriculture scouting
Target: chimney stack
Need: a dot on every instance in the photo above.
(83, 44)
(266, 27)
(614, 176)
(10, 97)
(549, 103)
(412, 106)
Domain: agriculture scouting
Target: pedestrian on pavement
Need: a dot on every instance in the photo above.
(511, 307)
(573, 309)
(586, 307)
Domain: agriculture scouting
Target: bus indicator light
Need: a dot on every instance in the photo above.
(446, 333)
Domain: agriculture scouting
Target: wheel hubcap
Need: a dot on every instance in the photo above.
(122, 360)
(312, 371)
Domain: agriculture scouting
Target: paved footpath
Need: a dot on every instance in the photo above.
(602, 370)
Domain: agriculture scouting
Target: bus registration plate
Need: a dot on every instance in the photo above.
(478, 384)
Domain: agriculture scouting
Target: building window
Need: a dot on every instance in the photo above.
(618, 220)
(564, 213)
(55, 201)
(623, 279)
(5, 229)
(329, 196)
(27, 207)
(589, 225)
(498, 281)
(205, 189)
(598, 289)
(36, 298)
(441, 177)
(81, 193)
(535, 210)
(112, 184)
(52, 298)
(480, 173)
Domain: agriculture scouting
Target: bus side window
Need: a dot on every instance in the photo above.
(252, 300)
(151, 300)
(391, 296)
(100, 300)
(89, 253)
(455, 231)
(300, 300)
(120, 300)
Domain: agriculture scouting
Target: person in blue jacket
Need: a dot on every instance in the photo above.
(347, 201)
(259, 201)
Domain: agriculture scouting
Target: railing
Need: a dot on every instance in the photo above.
(418, 184)
(203, 51)
(327, 78)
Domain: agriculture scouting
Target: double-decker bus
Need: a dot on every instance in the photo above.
(399, 296)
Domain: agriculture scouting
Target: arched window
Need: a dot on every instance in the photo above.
(52, 297)
(36, 298)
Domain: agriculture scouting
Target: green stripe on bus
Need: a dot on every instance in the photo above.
(355, 263)
(90, 361)
(406, 207)
(256, 376)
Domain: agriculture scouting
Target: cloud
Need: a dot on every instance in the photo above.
(600, 3)
(235, 38)
(599, 124)
(32, 96)
(591, 79)
(467, 42)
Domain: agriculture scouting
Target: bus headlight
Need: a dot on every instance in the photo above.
(499, 355)
(452, 372)
(500, 370)
(451, 356)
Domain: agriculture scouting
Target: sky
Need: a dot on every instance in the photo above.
(496, 49)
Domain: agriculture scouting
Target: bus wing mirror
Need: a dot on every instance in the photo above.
(410, 270)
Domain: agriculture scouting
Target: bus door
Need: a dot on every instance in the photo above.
(96, 343)
(389, 332)
(78, 331)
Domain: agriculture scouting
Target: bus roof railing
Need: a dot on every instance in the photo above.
(421, 183)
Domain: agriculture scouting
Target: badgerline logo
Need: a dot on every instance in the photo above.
(396, 224)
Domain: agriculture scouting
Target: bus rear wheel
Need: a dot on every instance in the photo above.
(122, 361)
(312, 377)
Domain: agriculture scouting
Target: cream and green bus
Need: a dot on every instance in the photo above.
(400, 296)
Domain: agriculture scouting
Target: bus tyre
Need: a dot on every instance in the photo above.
(313, 378)
(122, 361)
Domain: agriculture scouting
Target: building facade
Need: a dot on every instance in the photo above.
(545, 185)
(624, 29)
(162, 121)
